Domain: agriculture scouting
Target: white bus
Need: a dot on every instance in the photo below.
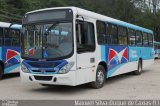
(73, 46)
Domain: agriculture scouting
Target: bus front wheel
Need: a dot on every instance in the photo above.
(100, 78)
(139, 68)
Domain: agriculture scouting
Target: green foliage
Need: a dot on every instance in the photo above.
(132, 11)
(121, 9)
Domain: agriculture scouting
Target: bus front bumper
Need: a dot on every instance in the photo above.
(51, 79)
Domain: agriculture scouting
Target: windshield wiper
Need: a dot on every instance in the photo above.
(52, 26)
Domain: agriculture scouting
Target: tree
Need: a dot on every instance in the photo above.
(140, 12)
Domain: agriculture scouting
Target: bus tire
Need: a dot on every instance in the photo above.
(139, 68)
(1, 72)
(100, 78)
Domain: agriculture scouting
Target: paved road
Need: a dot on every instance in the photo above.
(145, 86)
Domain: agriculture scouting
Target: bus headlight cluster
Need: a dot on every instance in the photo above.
(24, 68)
(65, 69)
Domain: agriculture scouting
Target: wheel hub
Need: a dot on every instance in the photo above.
(100, 77)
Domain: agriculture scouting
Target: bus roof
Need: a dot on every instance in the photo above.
(131, 26)
(100, 17)
(16, 26)
(6, 25)
(112, 20)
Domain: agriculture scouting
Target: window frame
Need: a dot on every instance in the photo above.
(104, 40)
(6, 36)
(111, 35)
(137, 42)
(124, 28)
(150, 35)
(134, 31)
(2, 37)
(94, 40)
(10, 35)
(145, 33)
(141, 38)
(114, 35)
(19, 35)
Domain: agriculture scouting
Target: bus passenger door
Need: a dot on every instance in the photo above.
(85, 39)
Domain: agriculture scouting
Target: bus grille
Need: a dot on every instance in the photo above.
(44, 71)
(43, 78)
(42, 65)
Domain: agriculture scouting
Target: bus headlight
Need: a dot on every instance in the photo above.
(65, 69)
(24, 68)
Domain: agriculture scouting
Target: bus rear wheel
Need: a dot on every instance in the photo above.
(1, 72)
(139, 68)
(100, 78)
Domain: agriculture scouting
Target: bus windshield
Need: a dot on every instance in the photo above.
(47, 41)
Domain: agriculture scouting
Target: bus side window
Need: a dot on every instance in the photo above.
(114, 34)
(150, 39)
(122, 35)
(145, 39)
(131, 36)
(1, 36)
(15, 36)
(101, 32)
(108, 33)
(85, 36)
(139, 38)
(7, 39)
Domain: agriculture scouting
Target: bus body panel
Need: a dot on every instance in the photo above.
(62, 79)
(115, 57)
(49, 69)
(11, 59)
(86, 70)
(123, 59)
